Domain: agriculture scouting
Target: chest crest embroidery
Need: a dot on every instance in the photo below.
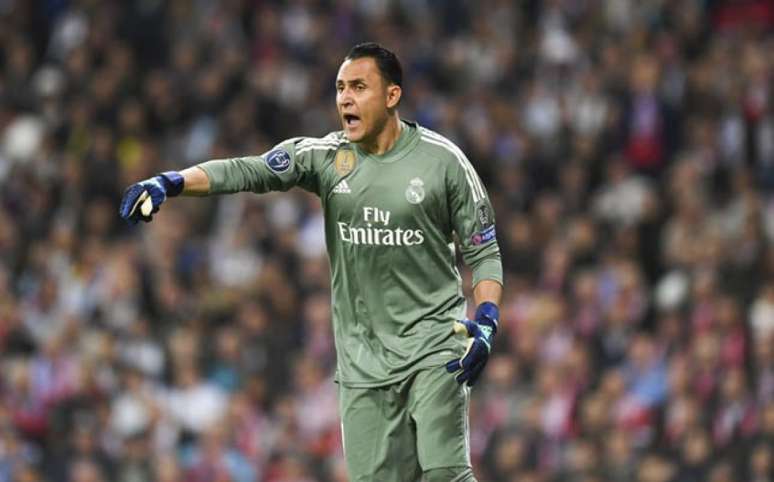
(345, 161)
(415, 192)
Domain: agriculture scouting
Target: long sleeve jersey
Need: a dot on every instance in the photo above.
(390, 222)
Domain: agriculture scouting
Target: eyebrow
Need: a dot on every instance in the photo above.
(358, 80)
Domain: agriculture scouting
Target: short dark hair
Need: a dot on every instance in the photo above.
(386, 60)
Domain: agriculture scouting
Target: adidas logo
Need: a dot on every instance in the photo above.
(342, 187)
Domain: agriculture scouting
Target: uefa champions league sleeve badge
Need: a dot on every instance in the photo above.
(415, 192)
(278, 160)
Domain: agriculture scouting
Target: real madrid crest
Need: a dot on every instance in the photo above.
(345, 161)
(415, 192)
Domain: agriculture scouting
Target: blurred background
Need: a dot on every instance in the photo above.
(628, 148)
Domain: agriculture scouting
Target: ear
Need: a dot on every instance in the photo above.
(393, 95)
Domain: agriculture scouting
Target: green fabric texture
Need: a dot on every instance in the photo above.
(450, 474)
(390, 225)
(398, 432)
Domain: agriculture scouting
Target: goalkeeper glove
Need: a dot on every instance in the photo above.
(142, 199)
(481, 332)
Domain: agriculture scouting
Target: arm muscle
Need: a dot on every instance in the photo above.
(196, 182)
(487, 290)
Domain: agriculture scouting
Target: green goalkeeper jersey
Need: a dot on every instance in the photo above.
(389, 226)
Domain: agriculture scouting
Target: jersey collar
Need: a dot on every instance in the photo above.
(406, 142)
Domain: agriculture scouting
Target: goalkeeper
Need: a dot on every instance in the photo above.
(393, 194)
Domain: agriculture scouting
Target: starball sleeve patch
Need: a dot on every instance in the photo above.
(278, 160)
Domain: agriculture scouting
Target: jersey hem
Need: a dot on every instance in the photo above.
(392, 380)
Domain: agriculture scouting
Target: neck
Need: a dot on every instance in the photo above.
(385, 139)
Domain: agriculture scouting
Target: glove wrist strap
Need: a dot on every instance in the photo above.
(488, 313)
(173, 182)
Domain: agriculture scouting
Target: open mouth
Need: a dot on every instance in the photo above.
(351, 120)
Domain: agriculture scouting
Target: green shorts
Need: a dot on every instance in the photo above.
(397, 432)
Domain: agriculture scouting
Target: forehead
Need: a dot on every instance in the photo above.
(362, 68)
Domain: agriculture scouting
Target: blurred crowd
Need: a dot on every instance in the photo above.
(628, 148)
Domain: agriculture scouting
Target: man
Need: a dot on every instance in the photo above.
(393, 194)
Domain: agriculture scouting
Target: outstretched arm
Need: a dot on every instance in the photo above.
(276, 170)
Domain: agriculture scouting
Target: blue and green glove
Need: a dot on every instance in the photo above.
(481, 332)
(142, 199)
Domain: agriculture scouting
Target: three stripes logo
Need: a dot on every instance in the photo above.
(474, 183)
(342, 188)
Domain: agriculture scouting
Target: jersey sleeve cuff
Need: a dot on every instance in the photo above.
(212, 170)
(489, 268)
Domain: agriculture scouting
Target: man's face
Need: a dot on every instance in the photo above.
(363, 99)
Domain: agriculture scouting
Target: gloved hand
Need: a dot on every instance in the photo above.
(481, 332)
(142, 199)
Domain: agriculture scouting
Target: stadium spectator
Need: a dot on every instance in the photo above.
(629, 150)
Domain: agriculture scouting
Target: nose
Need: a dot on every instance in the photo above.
(345, 102)
(345, 98)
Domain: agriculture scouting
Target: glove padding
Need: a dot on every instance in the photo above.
(481, 332)
(143, 199)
